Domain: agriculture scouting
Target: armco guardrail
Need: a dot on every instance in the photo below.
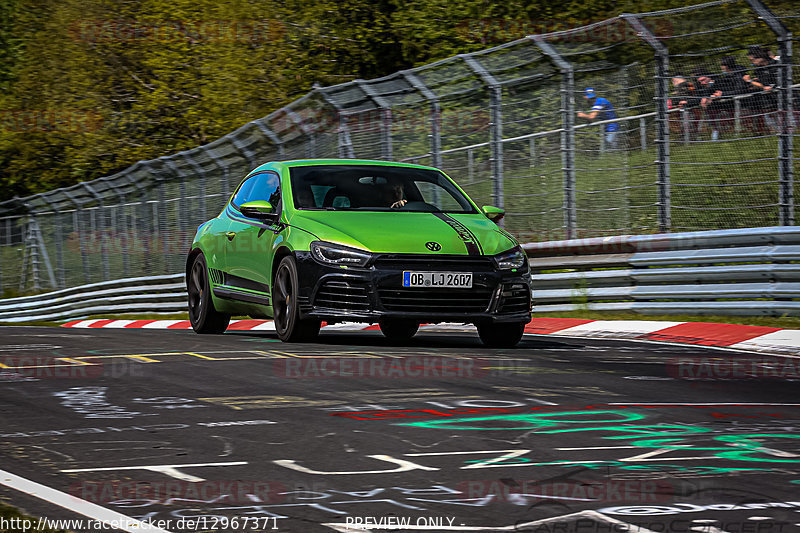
(753, 271)
(153, 294)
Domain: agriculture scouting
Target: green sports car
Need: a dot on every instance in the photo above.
(358, 241)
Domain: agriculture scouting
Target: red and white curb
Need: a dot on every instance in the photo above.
(749, 338)
(761, 339)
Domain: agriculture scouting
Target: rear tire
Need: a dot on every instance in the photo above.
(398, 330)
(288, 325)
(202, 314)
(502, 334)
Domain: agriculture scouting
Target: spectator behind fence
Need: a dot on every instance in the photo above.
(602, 105)
(684, 98)
(720, 105)
(684, 93)
(706, 94)
(763, 82)
(731, 81)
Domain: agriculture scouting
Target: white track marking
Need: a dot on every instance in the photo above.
(169, 470)
(77, 505)
(161, 324)
(266, 326)
(610, 328)
(85, 323)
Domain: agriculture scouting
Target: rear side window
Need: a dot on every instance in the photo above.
(264, 186)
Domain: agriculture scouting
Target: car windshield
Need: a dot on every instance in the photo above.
(375, 188)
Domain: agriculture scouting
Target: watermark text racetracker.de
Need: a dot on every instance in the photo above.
(175, 30)
(201, 523)
(49, 121)
(411, 367)
(521, 491)
(496, 30)
(32, 367)
(730, 368)
(169, 491)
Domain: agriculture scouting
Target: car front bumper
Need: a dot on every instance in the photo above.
(375, 292)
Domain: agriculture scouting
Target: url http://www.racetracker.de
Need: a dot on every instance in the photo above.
(183, 524)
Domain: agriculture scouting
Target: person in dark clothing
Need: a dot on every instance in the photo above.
(683, 93)
(731, 81)
(727, 84)
(763, 83)
(705, 92)
(703, 87)
(683, 99)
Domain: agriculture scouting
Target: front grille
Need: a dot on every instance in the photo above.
(515, 298)
(421, 262)
(453, 301)
(342, 295)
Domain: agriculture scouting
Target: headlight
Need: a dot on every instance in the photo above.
(334, 254)
(514, 258)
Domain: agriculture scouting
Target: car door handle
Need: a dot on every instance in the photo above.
(230, 235)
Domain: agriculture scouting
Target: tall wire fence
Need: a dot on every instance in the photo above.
(691, 144)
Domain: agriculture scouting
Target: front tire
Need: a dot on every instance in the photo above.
(288, 325)
(202, 314)
(502, 334)
(398, 330)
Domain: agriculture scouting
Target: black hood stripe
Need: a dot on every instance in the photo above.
(467, 237)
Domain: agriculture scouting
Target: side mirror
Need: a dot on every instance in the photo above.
(493, 213)
(257, 209)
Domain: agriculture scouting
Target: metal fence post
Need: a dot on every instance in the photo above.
(435, 115)
(532, 152)
(386, 118)
(37, 231)
(100, 229)
(311, 146)
(182, 204)
(685, 123)
(785, 112)
(643, 133)
(201, 177)
(495, 125)
(159, 216)
(59, 238)
(567, 134)
(131, 236)
(246, 154)
(226, 189)
(662, 119)
(470, 166)
(344, 145)
(269, 134)
(121, 235)
(76, 216)
(147, 229)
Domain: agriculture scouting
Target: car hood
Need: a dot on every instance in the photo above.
(406, 232)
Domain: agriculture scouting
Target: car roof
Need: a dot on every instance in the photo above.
(277, 165)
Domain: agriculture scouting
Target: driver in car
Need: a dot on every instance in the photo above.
(394, 196)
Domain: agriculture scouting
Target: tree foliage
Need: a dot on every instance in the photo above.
(88, 87)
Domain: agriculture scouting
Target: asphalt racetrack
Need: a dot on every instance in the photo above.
(241, 432)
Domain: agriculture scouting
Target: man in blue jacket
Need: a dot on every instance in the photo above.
(603, 108)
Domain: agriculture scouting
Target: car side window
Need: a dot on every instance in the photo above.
(264, 186)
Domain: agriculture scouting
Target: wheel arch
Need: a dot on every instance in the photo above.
(280, 253)
(190, 259)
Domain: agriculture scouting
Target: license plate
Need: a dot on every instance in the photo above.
(449, 280)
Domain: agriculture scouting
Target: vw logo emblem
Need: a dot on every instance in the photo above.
(433, 246)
